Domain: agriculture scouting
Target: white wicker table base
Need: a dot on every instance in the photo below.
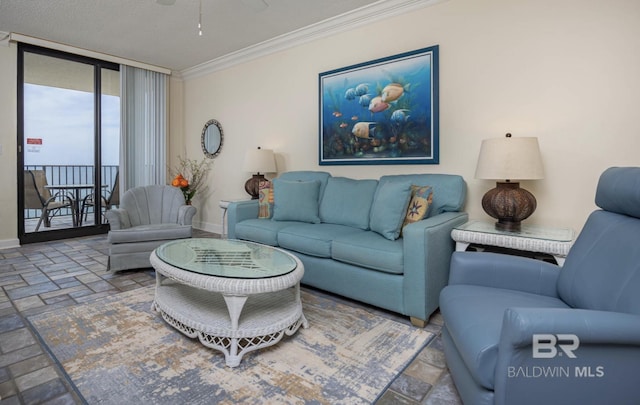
(246, 315)
(262, 322)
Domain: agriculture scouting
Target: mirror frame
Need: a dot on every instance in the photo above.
(207, 153)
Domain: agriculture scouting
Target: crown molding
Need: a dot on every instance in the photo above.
(4, 38)
(345, 22)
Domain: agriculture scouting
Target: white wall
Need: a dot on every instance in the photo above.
(8, 142)
(566, 72)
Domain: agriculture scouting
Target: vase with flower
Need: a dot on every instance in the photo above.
(189, 176)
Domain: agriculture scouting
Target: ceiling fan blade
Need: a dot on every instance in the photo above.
(256, 5)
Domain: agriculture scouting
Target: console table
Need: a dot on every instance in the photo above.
(555, 242)
(234, 296)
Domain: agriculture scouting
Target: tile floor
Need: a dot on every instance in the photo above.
(40, 277)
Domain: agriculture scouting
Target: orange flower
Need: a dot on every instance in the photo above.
(189, 175)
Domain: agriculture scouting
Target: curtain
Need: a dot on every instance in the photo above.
(143, 127)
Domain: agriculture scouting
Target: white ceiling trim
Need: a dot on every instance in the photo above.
(344, 22)
(85, 52)
(4, 38)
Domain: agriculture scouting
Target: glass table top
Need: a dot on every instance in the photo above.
(226, 258)
(526, 231)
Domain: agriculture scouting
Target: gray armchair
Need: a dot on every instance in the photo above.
(146, 218)
(522, 331)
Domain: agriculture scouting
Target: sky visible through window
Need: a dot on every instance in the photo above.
(59, 129)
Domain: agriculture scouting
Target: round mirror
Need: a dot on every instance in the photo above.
(211, 139)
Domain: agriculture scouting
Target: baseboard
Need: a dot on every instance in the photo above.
(9, 243)
(207, 226)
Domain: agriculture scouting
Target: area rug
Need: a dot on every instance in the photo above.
(118, 351)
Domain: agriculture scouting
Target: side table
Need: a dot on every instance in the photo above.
(224, 204)
(535, 239)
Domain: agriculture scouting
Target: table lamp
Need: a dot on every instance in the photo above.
(259, 161)
(506, 159)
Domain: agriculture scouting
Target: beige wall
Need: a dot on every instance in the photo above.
(566, 72)
(8, 159)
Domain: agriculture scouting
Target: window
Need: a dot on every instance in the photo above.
(68, 126)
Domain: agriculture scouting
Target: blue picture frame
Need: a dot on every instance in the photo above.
(384, 111)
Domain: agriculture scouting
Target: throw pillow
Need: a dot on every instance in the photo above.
(296, 201)
(265, 199)
(419, 205)
(347, 202)
(389, 208)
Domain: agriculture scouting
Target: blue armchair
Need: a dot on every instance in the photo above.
(522, 331)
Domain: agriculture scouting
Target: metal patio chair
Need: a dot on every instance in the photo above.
(38, 196)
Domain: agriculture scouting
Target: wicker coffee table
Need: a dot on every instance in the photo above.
(234, 296)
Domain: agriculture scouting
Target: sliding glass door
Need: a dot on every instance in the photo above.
(68, 133)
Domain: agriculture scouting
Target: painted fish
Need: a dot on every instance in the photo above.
(364, 130)
(337, 114)
(364, 100)
(343, 125)
(392, 92)
(350, 94)
(362, 89)
(377, 105)
(399, 116)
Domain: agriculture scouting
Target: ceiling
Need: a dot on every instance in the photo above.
(167, 35)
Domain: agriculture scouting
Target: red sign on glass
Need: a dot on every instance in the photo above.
(34, 141)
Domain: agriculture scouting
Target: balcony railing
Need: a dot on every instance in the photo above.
(75, 174)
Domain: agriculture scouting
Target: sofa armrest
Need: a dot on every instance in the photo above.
(238, 211)
(186, 214)
(118, 218)
(427, 248)
(603, 368)
(504, 271)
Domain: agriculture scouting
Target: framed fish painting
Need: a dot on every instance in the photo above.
(384, 111)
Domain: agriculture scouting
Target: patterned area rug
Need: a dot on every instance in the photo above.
(117, 350)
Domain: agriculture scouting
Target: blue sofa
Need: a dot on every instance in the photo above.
(521, 331)
(345, 232)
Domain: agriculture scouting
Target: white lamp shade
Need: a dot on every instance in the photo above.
(259, 161)
(510, 158)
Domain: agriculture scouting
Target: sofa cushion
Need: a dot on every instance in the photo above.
(389, 208)
(143, 233)
(263, 231)
(313, 239)
(474, 319)
(347, 202)
(265, 199)
(308, 175)
(370, 250)
(296, 200)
